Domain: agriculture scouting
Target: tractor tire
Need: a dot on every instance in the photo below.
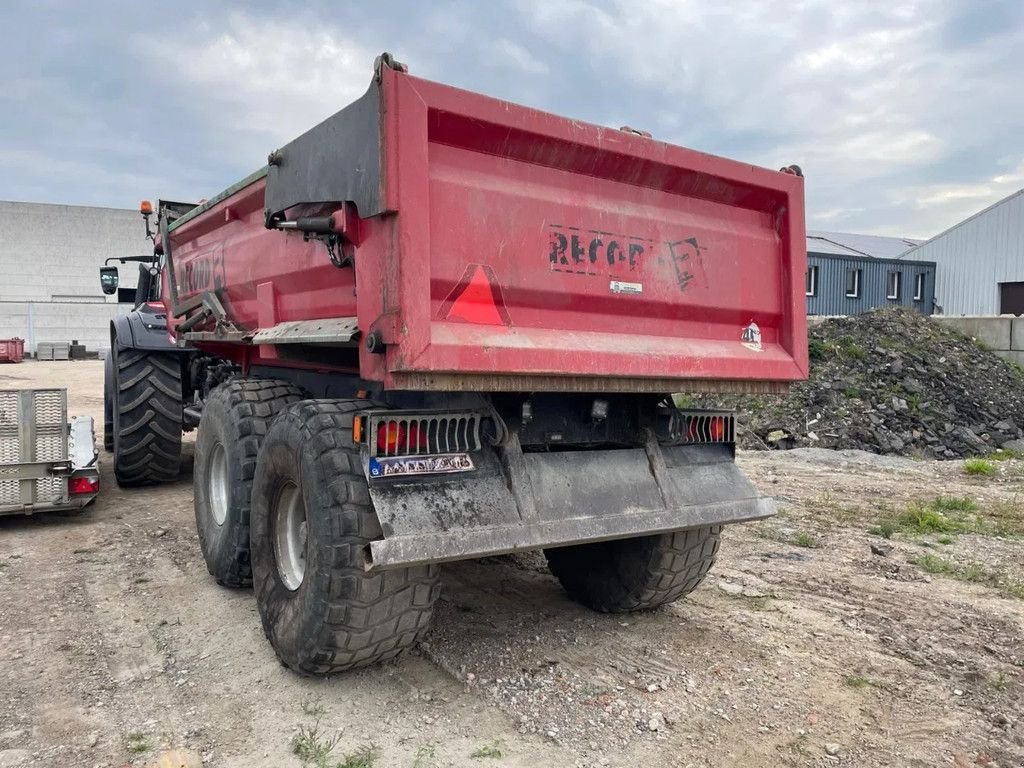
(147, 415)
(108, 402)
(236, 418)
(312, 518)
(635, 574)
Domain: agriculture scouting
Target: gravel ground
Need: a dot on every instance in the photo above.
(814, 642)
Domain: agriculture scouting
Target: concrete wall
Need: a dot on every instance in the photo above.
(1003, 334)
(49, 270)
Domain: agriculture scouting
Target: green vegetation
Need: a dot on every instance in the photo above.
(857, 682)
(487, 750)
(364, 757)
(424, 757)
(945, 540)
(818, 350)
(1005, 454)
(955, 504)
(136, 742)
(852, 349)
(804, 539)
(979, 467)
(970, 573)
(312, 746)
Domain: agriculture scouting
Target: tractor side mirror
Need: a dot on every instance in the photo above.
(108, 280)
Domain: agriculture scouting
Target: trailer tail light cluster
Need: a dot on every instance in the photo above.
(699, 427)
(82, 485)
(397, 433)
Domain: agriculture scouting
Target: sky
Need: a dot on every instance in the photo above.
(906, 117)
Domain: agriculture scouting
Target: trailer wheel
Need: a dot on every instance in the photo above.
(146, 417)
(635, 574)
(108, 402)
(312, 518)
(235, 420)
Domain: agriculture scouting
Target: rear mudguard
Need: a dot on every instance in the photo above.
(144, 328)
(516, 501)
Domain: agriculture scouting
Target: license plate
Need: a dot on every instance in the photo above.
(398, 466)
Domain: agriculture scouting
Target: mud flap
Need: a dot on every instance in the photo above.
(514, 501)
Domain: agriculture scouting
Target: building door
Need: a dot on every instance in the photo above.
(1011, 298)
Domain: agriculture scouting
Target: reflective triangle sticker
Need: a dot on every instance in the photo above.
(476, 299)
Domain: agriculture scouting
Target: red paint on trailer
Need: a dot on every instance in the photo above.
(614, 255)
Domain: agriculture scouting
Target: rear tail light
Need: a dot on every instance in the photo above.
(80, 485)
(696, 428)
(408, 433)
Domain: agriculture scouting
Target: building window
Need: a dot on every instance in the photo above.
(919, 287)
(853, 283)
(892, 285)
(812, 281)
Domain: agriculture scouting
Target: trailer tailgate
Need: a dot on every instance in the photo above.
(560, 254)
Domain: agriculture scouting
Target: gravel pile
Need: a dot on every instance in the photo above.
(890, 382)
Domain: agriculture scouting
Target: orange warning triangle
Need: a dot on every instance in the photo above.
(476, 303)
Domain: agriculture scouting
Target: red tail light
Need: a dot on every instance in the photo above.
(80, 485)
(394, 437)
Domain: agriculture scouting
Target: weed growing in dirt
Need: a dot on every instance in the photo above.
(972, 573)
(1005, 454)
(979, 467)
(1000, 681)
(313, 746)
(487, 750)
(921, 518)
(955, 504)
(136, 742)
(364, 757)
(804, 539)
(886, 527)
(857, 682)
(424, 756)
(945, 540)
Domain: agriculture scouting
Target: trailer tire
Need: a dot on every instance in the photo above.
(236, 418)
(635, 574)
(146, 417)
(321, 609)
(108, 402)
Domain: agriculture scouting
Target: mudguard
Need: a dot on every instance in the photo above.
(144, 328)
(514, 501)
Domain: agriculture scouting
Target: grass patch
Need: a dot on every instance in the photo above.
(857, 682)
(955, 504)
(852, 349)
(947, 540)
(1005, 454)
(804, 539)
(970, 573)
(364, 757)
(979, 467)
(136, 742)
(313, 746)
(487, 750)
(424, 756)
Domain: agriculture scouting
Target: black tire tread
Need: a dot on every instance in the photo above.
(147, 446)
(368, 616)
(252, 404)
(676, 564)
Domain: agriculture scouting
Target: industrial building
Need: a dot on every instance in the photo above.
(848, 274)
(49, 262)
(980, 261)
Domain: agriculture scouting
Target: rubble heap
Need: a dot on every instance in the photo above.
(889, 381)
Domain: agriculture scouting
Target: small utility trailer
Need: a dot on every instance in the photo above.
(46, 461)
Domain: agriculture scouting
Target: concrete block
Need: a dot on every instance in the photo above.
(993, 332)
(1017, 333)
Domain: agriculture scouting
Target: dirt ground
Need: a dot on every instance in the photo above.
(813, 643)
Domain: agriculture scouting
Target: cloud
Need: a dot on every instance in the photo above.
(906, 116)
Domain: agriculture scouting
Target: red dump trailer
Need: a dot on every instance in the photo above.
(441, 326)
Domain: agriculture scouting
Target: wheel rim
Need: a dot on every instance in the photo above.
(290, 536)
(217, 484)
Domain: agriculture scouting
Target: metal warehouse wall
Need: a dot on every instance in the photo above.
(832, 299)
(49, 262)
(975, 256)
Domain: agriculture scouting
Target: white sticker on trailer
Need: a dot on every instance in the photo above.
(618, 286)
